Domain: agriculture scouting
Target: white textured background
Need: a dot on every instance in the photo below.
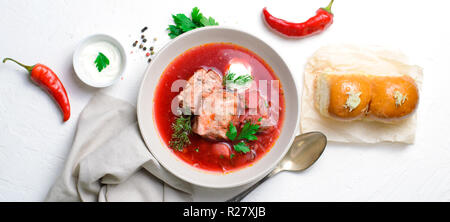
(34, 143)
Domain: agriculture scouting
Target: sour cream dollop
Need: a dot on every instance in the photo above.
(87, 66)
(239, 69)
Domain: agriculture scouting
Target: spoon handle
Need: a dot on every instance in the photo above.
(244, 193)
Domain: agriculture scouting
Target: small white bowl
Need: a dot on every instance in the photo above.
(94, 39)
(165, 155)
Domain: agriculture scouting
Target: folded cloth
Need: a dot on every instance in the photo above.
(109, 161)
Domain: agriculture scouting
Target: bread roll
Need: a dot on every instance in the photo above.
(344, 97)
(393, 97)
(357, 96)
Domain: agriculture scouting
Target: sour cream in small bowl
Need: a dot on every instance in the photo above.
(99, 60)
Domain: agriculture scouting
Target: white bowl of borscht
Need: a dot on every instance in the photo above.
(218, 107)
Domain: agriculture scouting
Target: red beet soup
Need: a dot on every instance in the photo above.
(219, 154)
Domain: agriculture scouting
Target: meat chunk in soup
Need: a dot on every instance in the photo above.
(217, 111)
(198, 87)
(259, 111)
(214, 107)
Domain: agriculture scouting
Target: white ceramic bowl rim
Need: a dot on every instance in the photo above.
(94, 38)
(164, 154)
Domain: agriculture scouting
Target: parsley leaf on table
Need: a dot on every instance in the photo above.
(184, 24)
(196, 16)
(174, 31)
(101, 61)
(208, 21)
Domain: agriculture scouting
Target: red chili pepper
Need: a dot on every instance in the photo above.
(47, 79)
(316, 24)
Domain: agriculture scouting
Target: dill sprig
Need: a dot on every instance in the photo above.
(240, 80)
(181, 131)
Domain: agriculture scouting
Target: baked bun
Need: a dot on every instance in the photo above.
(345, 97)
(356, 96)
(393, 97)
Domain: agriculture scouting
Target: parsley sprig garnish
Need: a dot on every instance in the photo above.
(101, 61)
(184, 24)
(181, 131)
(241, 147)
(247, 133)
(232, 132)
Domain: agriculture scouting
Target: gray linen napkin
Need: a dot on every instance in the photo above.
(109, 161)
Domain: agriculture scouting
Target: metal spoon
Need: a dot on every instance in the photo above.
(304, 151)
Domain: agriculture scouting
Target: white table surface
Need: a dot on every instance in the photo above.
(34, 143)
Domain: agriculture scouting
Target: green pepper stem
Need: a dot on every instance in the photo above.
(29, 68)
(328, 8)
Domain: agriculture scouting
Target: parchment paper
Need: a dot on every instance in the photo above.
(352, 59)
